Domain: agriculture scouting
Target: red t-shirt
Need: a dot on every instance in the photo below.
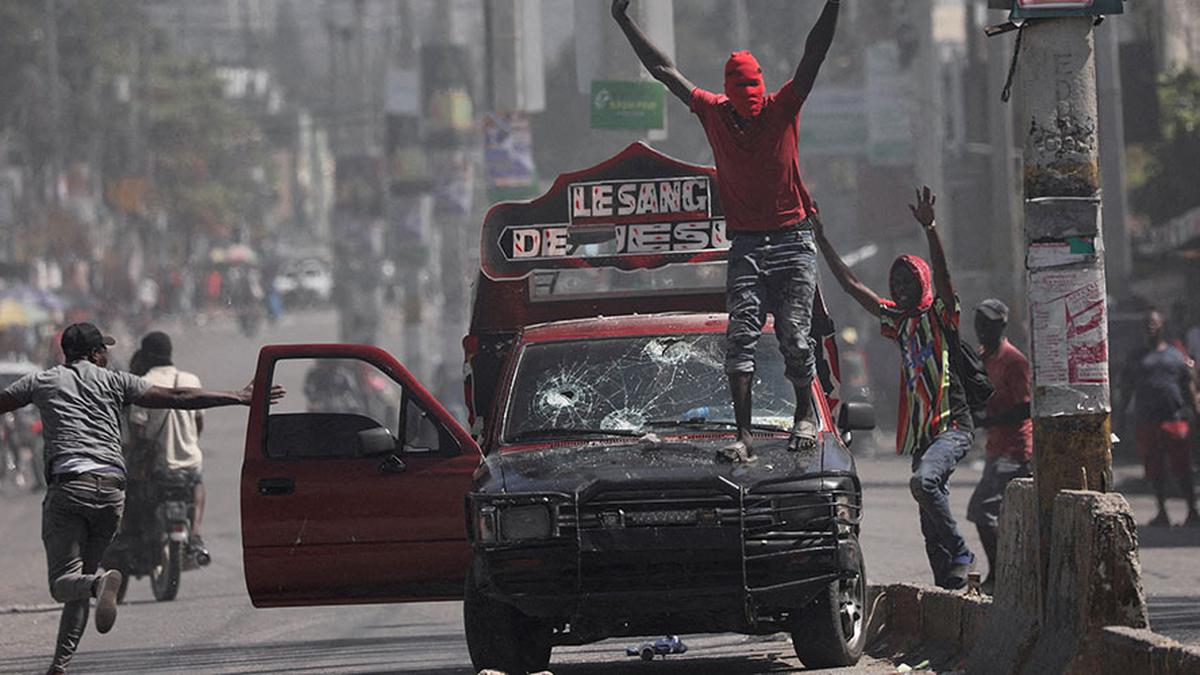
(758, 167)
(1008, 369)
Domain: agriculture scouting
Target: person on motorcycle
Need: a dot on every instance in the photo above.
(81, 404)
(167, 441)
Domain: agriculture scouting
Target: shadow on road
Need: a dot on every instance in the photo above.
(382, 654)
(393, 654)
(1174, 614)
(1168, 537)
(710, 666)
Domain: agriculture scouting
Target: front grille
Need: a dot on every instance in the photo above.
(689, 540)
(792, 539)
(660, 540)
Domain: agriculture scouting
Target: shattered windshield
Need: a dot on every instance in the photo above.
(624, 385)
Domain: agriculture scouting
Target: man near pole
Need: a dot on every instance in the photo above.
(768, 211)
(1159, 378)
(81, 405)
(1009, 429)
(934, 424)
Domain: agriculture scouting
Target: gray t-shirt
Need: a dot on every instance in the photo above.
(81, 410)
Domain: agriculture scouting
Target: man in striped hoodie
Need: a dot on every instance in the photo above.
(934, 424)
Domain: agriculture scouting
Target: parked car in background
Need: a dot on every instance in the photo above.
(305, 282)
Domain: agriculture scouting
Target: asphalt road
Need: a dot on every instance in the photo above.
(212, 628)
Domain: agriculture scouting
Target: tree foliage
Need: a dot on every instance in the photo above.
(208, 153)
(1173, 171)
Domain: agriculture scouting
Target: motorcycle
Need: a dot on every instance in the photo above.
(155, 537)
(21, 450)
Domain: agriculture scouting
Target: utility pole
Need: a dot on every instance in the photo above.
(451, 148)
(54, 112)
(1007, 240)
(1112, 154)
(1064, 263)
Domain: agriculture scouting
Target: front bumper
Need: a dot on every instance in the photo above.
(711, 556)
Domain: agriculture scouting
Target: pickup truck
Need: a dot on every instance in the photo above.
(588, 501)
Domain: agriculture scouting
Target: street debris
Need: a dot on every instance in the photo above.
(670, 644)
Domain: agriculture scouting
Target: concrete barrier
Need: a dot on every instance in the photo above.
(1096, 578)
(1012, 624)
(910, 616)
(1131, 650)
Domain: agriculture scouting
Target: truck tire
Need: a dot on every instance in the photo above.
(647, 654)
(831, 631)
(500, 637)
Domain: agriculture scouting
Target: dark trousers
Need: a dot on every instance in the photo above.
(931, 473)
(79, 519)
(776, 273)
(984, 508)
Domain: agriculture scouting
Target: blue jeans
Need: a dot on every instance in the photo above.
(772, 272)
(931, 473)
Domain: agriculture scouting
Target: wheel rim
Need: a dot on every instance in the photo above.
(158, 574)
(851, 603)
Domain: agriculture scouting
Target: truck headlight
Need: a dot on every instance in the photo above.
(521, 523)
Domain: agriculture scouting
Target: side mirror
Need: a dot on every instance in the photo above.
(376, 441)
(856, 416)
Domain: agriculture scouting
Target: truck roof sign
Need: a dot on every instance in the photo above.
(638, 210)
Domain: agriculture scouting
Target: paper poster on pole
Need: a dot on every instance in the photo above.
(1070, 327)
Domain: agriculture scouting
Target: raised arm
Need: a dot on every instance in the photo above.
(8, 403)
(866, 297)
(815, 49)
(923, 212)
(654, 59)
(193, 398)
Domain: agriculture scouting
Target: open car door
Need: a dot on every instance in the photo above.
(352, 486)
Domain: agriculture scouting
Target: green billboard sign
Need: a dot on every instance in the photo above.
(1034, 9)
(636, 104)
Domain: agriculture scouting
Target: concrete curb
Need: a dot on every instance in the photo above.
(1096, 578)
(910, 616)
(1131, 650)
(1012, 625)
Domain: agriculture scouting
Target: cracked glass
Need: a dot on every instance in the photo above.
(624, 385)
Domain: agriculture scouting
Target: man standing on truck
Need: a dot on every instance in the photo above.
(934, 424)
(768, 213)
(80, 403)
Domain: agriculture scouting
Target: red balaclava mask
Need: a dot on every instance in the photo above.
(924, 278)
(744, 84)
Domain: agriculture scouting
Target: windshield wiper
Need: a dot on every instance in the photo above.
(700, 422)
(555, 432)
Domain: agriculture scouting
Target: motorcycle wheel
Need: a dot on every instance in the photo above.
(164, 578)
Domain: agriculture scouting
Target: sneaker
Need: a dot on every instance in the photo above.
(196, 544)
(107, 589)
(1161, 520)
(960, 568)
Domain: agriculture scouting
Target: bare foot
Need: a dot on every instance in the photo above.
(737, 451)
